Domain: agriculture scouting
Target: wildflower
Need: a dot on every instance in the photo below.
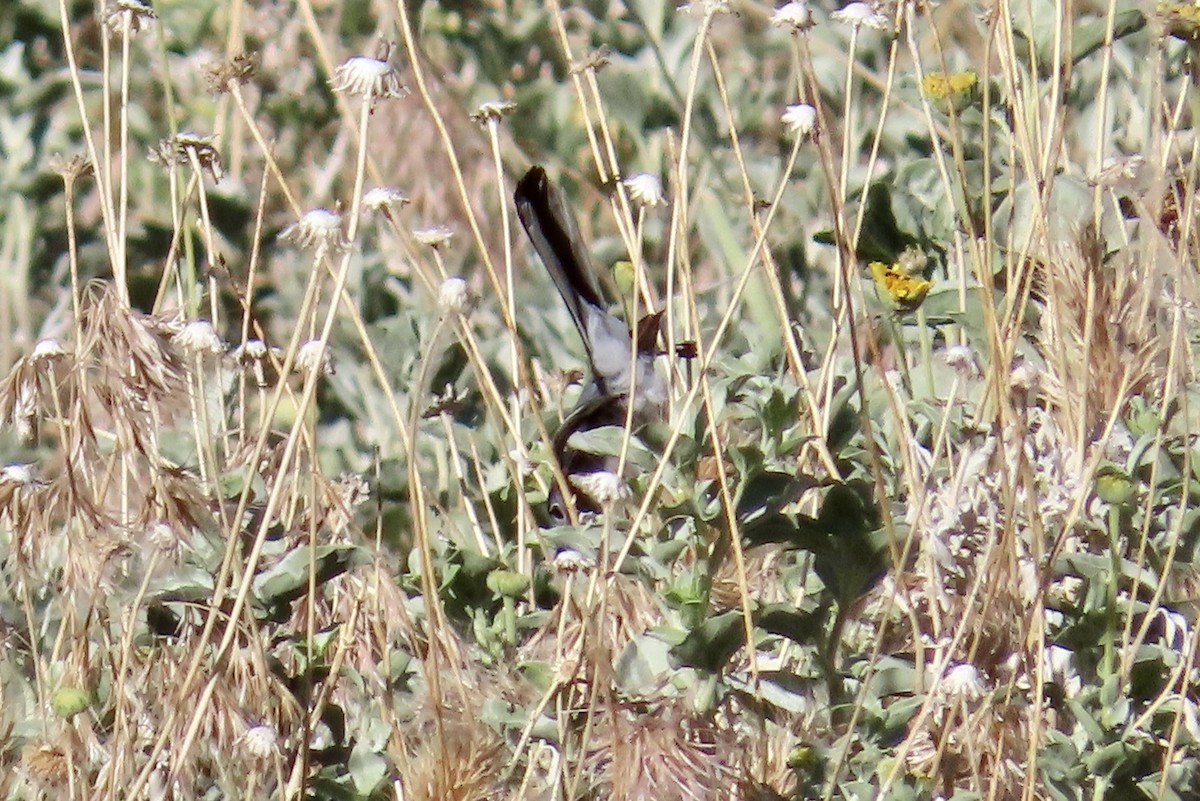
(645, 189)
(47, 350)
(1180, 19)
(800, 119)
(239, 69)
(964, 682)
(261, 741)
(71, 169)
(252, 351)
(962, 360)
(954, 90)
(605, 486)
(1024, 378)
(453, 297)
(705, 8)
(319, 228)
(861, 15)
(902, 291)
(186, 146)
(18, 474)
(384, 199)
(373, 78)
(313, 355)
(198, 337)
(795, 15)
(568, 561)
(435, 236)
(131, 13)
(491, 111)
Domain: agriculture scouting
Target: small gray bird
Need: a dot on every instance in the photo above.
(552, 229)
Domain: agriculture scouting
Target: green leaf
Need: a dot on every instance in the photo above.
(287, 579)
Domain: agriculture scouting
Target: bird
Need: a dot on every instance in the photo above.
(608, 343)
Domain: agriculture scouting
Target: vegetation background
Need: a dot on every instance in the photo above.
(281, 372)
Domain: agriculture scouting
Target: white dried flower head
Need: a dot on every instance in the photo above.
(252, 351)
(800, 119)
(199, 337)
(962, 360)
(605, 486)
(1059, 664)
(645, 189)
(319, 228)
(373, 78)
(134, 13)
(861, 15)
(453, 297)
(162, 536)
(796, 15)
(19, 474)
(522, 462)
(1118, 170)
(491, 111)
(1024, 378)
(964, 682)
(384, 199)
(569, 561)
(435, 236)
(185, 146)
(261, 741)
(47, 350)
(313, 355)
(704, 8)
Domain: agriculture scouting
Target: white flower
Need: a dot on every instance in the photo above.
(1024, 378)
(261, 741)
(319, 228)
(434, 236)
(383, 198)
(254, 350)
(646, 189)
(801, 119)
(453, 297)
(492, 111)
(570, 561)
(47, 349)
(861, 15)
(136, 12)
(962, 359)
(704, 7)
(1058, 663)
(795, 15)
(313, 355)
(199, 336)
(20, 474)
(964, 682)
(372, 78)
(606, 487)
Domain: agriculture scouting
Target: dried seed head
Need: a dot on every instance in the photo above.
(47, 350)
(605, 486)
(436, 236)
(198, 338)
(800, 119)
(645, 189)
(320, 229)
(372, 78)
(453, 297)
(492, 111)
(239, 69)
(861, 15)
(313, 355)
(131, 13)
(795, 15)
(384, 199)
(261, 741)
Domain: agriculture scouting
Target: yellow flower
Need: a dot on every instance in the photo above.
(903, 291)
(1181, 20)
(956, 88)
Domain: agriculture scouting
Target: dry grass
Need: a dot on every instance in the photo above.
(272, 499)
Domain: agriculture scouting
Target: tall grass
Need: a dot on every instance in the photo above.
(280, 399)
